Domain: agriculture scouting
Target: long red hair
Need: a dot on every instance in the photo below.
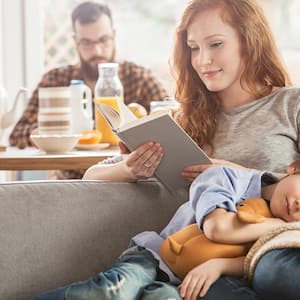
(200, 108)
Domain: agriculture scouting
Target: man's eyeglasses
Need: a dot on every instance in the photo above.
(104, 41)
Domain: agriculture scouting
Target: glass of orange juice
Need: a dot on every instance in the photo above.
(108, 90)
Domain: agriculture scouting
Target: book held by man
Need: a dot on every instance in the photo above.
(178, 148)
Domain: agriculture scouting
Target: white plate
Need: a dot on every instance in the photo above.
(92, 146)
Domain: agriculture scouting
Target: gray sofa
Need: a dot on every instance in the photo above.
(56, 232)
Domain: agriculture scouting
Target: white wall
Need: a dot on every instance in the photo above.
(21, 47)
(12, 46)
(33, 41)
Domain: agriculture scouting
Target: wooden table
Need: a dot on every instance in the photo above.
(34, 159)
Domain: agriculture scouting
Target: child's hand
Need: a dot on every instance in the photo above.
(198, 280)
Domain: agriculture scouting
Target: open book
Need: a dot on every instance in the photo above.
(178, 148)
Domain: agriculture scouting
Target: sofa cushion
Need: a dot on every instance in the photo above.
(56, 232)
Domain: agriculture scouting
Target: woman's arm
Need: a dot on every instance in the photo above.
(140, 163)
(198, 280)
(224, 227)
(191, 172)
(112, 172)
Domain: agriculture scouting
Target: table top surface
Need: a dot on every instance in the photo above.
(34, 159)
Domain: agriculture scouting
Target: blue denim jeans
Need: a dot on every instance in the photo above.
(231, 288)
(277, 275)
(132, 277)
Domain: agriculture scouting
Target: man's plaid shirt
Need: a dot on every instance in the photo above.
(139, 86)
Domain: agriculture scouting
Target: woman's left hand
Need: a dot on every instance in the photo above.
(191, 172)
(198, 280)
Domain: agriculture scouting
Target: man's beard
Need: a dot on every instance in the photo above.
(90, 68)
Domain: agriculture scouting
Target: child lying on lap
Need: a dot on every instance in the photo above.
(201, 257)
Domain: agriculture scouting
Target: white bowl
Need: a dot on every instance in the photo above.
(55, 143)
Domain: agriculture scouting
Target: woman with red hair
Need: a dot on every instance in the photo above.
(236, 104)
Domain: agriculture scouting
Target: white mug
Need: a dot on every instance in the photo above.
(165, 105)
(54, 115)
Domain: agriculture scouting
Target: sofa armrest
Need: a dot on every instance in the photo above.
(56, 232)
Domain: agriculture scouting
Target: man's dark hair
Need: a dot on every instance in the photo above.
(89, 12)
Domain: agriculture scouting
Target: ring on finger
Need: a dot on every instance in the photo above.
(148, 164)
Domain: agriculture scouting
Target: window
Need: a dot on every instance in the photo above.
(149, 43)
(283, 16)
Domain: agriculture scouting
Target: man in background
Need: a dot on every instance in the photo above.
(94, 37)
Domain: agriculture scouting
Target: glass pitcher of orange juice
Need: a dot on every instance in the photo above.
(108, 90)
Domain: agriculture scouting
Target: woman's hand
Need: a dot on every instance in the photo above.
(123, 148)
(140, 163)
(191, 172)
(143, 161)
(294, 167)
(198, 280)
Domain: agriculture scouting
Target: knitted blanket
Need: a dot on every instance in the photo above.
(286, 236)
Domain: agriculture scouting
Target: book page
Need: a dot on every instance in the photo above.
(126, 114)
(143, 120)
(113, 117)
(110, 114)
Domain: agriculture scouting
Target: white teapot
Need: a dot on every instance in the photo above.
(8, 118)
